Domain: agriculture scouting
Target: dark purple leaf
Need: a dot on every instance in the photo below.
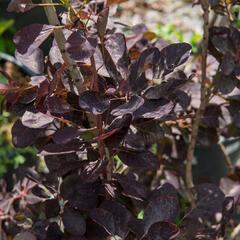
(235, 36)
(145, 160)
(20, 5)
(56, 149)
(104, 218)
(73, 222)
(164, 208)
(151, 132)
(24, 236)
(80, 195)
(227, 212)
(57, 105)
(131, 106)
(23, 136)
(90, 102)
(52, 208)
(36, 120)
(222, 44)
(149, 56)
(209, 200)
(175, 55)
(33, 61)
(162, 231)
(131, 187)
(67, 134)
(116, 46)
(139, 83)
(227, 65)
(208, 136)
(79, 47)
(211, 115)
(91, 172)
(173, 83)
(102, 23)
(31, 37)
(121, 216)
(111, 67)
(226, 84)
(156, 109)
(165, 190)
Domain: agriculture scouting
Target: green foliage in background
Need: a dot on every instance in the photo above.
(7, 30)
(171, 34)
(9, 155)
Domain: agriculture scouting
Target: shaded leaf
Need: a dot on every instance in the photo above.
(67, 134)
(145, 160)
(104, 218)
(79, 195)
(52, 208)
(227, 65)
(36, 120)
(79, 47)
(73, 221)
(54, 232)
(90, 102)
(226, 84)
(131, 187)
(31, 37)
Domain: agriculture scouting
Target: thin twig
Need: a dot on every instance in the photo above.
(75, 73)
(200, 111)
(226, 157)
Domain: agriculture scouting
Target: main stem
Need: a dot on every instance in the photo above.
(200, 111)
(75, 73)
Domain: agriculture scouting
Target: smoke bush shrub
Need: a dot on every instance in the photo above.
(115, 143)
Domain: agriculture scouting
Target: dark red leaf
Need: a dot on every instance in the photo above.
(73, 222)
(31, 37)
(145, 160)
(227, 212)
(79, 47)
